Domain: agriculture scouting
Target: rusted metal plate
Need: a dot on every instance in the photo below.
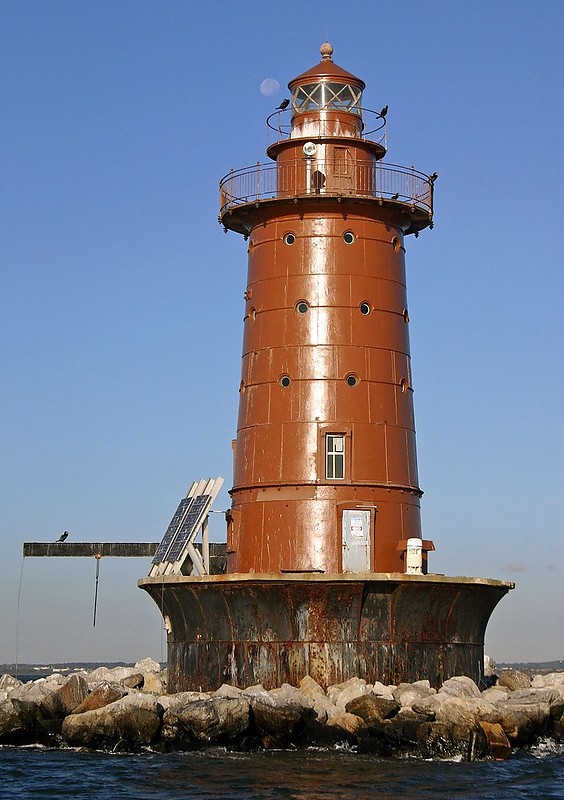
(275, 630)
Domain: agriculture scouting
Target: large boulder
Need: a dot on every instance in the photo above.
(33, 691)
(498, 743)
(460, 686)
(18, 720)
(65, 698)
(8, 682)
(342, 693)
(372, 708)
(513, 679)
(441, 740)
(349, 725)
(215, 720)
(101, 695)
(310, 688)
(524, 720)
(127, 724)
(407, 694)
(466, 712)
(550, 680)
(280, 713)
(111, 675)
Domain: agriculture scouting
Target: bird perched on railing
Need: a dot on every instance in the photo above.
(433, 177)
(384, 111)
(62, 537)
(284, 104)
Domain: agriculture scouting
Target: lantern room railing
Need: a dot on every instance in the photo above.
(307, 177)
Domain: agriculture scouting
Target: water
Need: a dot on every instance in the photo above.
(29, 773)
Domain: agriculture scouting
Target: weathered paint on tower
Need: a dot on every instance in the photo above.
(325, 471)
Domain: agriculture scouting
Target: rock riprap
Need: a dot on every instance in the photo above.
(126, 708)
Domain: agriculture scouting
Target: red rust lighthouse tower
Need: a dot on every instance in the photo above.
(326, 567)
(325, 464)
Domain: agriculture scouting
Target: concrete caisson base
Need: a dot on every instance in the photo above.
(271, 629)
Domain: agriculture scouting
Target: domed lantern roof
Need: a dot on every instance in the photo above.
(326, 86)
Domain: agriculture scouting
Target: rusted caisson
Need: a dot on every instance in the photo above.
(326, 564)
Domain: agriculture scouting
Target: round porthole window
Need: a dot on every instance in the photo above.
(396, 244)
(302, 307)
(242, 387)
(365, 308)
(285, 381)
(404, 385)
(352, 379)
(405, 315)
(348, 237)
(289, 238)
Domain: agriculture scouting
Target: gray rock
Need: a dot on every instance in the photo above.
(342, 693)
(114, 675)
(8, 682)
(17, 722)
(324, 708)
(513, 679)
(129, 723)
(523, 722)
(280, 713)
(212, 721)
(33, 691)
(440, 740)
(409, 693)
(180, 699)
(147, 665)
(460, 686)
(466, 712)
(383, 691)
(496, 693)
(550, 680)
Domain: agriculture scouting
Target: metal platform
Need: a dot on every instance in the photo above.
(270, 629)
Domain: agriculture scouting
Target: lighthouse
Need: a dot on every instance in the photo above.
(325, 476)
(326, 569)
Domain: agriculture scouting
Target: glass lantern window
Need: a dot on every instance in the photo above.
(326, 96)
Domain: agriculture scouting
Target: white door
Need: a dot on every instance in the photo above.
(356, 541)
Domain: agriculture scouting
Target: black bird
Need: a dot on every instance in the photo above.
(434, 177)
(62, 537)
(384, 111)
(394, 196)
(284, 104)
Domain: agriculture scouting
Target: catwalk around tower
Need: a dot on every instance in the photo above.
(325, 476)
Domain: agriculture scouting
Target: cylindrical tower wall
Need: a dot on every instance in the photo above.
(325, 354)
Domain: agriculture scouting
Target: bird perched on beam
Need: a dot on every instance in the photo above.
(284, 104)
(62, 537)
(384, 111)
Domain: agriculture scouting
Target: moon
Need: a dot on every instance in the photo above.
(269, 87)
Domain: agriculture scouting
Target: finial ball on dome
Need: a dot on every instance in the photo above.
(326, 51)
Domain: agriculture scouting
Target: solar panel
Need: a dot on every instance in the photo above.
(172, 530)
(190, 518)
(187, 528)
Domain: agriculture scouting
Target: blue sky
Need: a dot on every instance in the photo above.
(121, 297)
